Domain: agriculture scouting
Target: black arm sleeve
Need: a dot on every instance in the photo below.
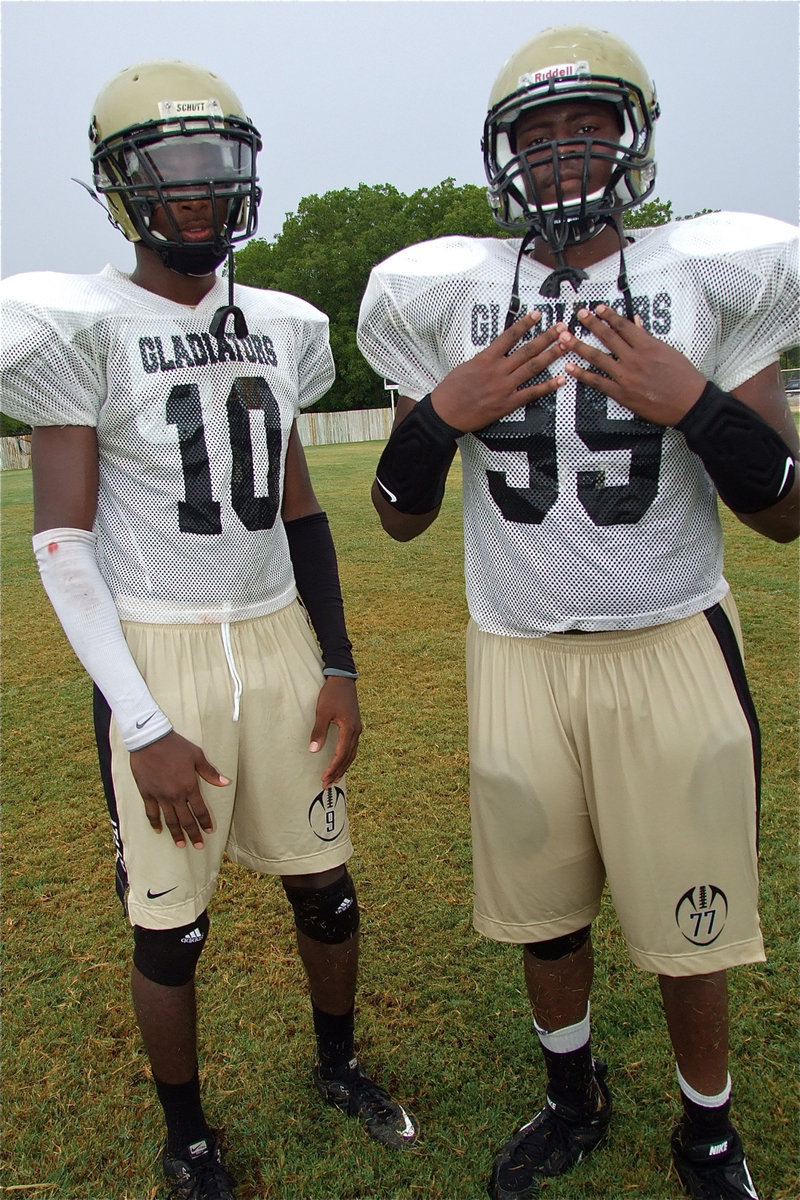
(317, 577)
(412, 470)
(749, 463)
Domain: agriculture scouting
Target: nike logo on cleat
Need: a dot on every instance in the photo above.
(719, 1149)
(198, 1148)
(408, 1131)
(155, 895)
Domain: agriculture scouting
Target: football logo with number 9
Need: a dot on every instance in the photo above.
(326, 816)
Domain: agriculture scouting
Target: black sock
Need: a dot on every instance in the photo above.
(183, 1113)
(570, 1077)
(703, 1124)
(335, 1038)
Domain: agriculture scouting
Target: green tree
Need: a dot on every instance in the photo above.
(656, 212)
(327, 249)
(652, 212)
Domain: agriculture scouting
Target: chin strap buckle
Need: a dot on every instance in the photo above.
(551, 287)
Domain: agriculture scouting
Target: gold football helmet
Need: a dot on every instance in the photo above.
(570, 63)
(168, 130)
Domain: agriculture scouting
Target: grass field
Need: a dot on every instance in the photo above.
(442, 1017)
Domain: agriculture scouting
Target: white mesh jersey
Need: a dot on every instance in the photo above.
(192, 430)
(577, 513)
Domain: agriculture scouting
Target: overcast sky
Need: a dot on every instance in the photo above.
(381, 91)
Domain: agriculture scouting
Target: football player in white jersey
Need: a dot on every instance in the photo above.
(175, 528)
(611, 732)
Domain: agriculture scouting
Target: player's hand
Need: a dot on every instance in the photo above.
(166, 775)
(643, 373)
(484, 388)
(337, 704)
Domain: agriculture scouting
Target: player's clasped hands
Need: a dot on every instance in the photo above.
(484, 388)
(639, 371)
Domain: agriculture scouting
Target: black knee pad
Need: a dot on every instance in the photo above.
(559, 947)
(328, 914)
(169, 956)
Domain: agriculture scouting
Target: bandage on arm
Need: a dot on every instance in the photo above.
(85, 607)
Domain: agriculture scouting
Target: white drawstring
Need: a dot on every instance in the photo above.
(225, 629)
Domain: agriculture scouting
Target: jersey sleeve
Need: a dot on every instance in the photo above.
(386, 341)
(48, 369)
(755, 292)
(407, 298)
(316, 370)
(316, 367)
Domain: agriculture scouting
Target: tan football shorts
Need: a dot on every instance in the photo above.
(246, 693)
(630, 757)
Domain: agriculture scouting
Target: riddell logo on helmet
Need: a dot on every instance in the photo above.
(557, 71)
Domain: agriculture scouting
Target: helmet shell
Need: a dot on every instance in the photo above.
(557, 55)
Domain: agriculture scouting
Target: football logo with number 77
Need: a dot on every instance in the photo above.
(701, 913)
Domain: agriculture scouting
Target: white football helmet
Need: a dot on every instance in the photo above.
(569, 63)
(166, 130)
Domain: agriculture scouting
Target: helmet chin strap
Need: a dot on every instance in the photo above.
(515, 304)
(556, 235)
(622, 278)
(204, 260)
(197, 260)
(220, 318)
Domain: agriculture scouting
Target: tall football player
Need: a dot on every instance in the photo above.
(612, 734)
(175, 528)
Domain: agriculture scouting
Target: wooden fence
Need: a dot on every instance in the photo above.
(15, 452)
(315, 429)
(357, 425)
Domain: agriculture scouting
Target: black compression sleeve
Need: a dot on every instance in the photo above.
(749, 463)
(412, 470)
(317, 577)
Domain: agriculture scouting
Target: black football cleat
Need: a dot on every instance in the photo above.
(354, 1093)
(712, 1170)
(198, 1173)
(557, 1139)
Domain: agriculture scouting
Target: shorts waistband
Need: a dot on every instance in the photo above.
(587, 641)
(608, 639)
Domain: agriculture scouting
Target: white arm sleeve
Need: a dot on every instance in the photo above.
(85, 607)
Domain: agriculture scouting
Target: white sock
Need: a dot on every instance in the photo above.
(699, 1098)
(571, 1037)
